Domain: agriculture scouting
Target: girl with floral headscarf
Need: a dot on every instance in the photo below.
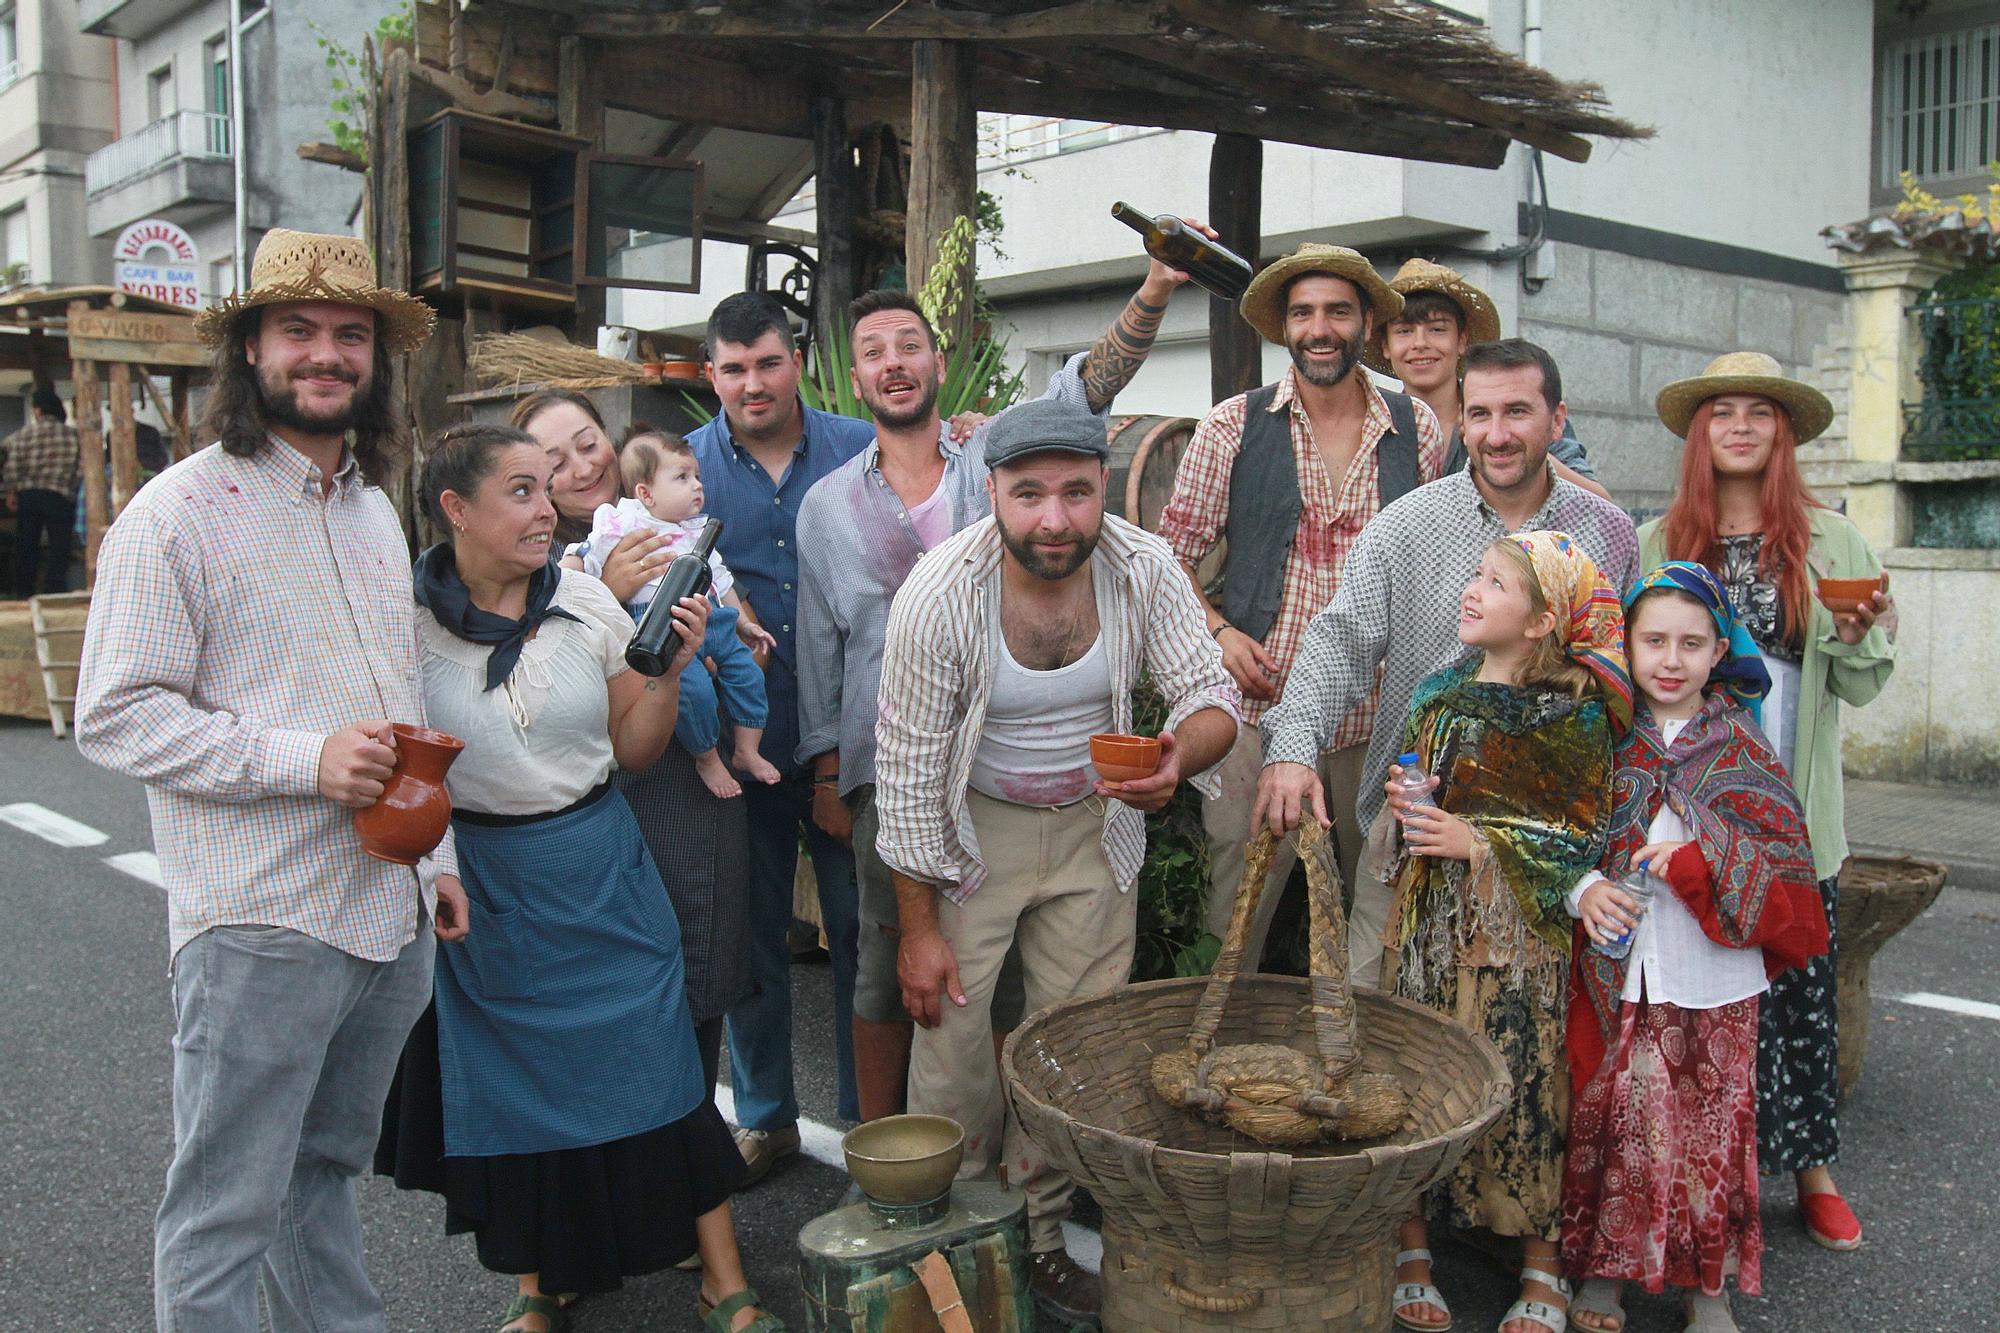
(1660, 1186)
(1519, 740)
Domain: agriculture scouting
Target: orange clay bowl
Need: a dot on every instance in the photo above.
(1124, 758)
(1847, 594)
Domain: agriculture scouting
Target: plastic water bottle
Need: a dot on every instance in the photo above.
(1638, 886)
(1414, 782)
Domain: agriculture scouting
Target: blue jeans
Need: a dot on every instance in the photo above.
(738, 681)
(283, 1054)
(760, 1027)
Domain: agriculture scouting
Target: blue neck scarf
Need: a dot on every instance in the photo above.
(443, 593)
(1741, 670)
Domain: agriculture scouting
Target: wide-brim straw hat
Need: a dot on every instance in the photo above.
(1482, 321)
(313, 266)
(1745, 372)
(1264, 301)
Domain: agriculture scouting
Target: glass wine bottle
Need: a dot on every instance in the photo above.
(1171, 241)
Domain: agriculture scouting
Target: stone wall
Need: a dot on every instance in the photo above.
(1621, 328)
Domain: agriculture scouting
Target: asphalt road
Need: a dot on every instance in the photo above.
(85, 1022)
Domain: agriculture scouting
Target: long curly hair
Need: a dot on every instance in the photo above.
(234, 411)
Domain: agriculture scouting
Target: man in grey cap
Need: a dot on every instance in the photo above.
(1009, 646)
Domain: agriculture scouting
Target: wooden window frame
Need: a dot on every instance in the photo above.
(588, 159)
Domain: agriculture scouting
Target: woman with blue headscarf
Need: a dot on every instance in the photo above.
(1660, 1184)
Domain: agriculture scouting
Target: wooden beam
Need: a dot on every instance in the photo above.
(1419, 90)
(181, 446)
(177, 385)
(580, 111)
(1236, 211)
(90, 454)
(124, 440)
(507, 106)
(390, 181)
(944, 150)
(786, 182)
(1084, 19)
(332, 156)
(682, 86)
(834, 198)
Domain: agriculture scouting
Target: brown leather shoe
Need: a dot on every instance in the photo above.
(1064, 1289)
(762, 1149)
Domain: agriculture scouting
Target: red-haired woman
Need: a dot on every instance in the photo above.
(1743, 510)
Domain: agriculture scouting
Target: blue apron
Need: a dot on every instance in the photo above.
(562, 1016)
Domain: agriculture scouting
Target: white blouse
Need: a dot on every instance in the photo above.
(1673, 961)
(541, 739)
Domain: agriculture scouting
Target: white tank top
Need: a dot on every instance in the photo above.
(1034, 748)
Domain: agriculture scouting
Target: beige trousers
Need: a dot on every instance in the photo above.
(1050, 891)
(1228, 821)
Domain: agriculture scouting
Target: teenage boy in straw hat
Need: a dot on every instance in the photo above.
(1425, 348)
(1290, 473)
(251, 640)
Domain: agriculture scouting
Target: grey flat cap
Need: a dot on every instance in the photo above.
(1045, 425)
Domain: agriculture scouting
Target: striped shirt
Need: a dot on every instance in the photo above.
(937, 674)
(41, 456)
(239, 618)
(1330, 517)
(1397, 609)
(857, 544)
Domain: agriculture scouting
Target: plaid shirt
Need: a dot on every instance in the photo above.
(239, 618)
(1395, 617)
(937, 675)
(1329, 519)
(41, 456)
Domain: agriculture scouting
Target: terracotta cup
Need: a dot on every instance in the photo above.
(408, 820)
(1124, 758)
(1849, 594)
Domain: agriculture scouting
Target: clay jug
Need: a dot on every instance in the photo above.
(409, 819)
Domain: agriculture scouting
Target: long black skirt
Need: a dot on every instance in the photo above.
(1798, 1059)
(585, 1219)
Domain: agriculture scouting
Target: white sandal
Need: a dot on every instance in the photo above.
(1418, 1293)
(1710, 1314)
(1540, 1312)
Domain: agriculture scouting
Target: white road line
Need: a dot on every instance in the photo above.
(822, 1144)
(139, 865)
(46, 824)
(1951, 1004)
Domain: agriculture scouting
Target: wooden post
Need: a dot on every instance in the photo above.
(834, 193)
(944, 149)
(124, 440)
(183, 427)
(90, 452)
(1236, 211)
(580, 111)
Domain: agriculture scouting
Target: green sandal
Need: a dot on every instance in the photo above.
(716, 1317)
(548, 1307)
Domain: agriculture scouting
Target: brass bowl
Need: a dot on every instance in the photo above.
(904, 1159)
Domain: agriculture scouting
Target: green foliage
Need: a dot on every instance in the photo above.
(1173, 883)
(347, 120)
(1958, 335)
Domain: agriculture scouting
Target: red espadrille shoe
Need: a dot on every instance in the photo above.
(1830, 1221)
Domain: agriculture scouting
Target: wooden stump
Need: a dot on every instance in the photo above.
(1878, 897)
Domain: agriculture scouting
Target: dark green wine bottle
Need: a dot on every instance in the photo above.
(1171, 241)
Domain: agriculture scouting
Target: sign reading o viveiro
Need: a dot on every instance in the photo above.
(155, 258)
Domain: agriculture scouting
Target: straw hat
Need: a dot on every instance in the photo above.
(1482, 321)
(1264, 301)
(1745, 372)
(309, 266)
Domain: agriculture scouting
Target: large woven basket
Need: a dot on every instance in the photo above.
(1879, 895)
(1204, 1229)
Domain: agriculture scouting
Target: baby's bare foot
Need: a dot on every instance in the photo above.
(715, 775)
(756, 765)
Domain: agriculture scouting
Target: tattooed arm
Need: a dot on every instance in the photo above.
(1117, 356)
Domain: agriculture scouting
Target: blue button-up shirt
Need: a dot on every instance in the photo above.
(759, 540)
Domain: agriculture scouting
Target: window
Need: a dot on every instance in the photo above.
(14, 245)
(160, 94)
(215, 62)
(221, 277)
(10, 54)
(1940, 105)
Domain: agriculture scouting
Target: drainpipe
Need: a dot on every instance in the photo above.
(237, 144)
(1538, 264)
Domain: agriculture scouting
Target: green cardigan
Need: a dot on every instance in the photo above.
(1832, 673)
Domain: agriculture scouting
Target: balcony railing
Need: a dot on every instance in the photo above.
(1958, 363)
(198, 135)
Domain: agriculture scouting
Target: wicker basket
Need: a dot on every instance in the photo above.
(1879, 895)
(1204, 1229)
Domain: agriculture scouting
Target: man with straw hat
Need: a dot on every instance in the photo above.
(1290, 473)
(252, 637)
(1425, 348)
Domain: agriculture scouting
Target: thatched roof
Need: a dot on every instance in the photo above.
(1391, 77)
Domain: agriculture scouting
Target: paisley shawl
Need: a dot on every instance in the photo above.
(1530, 771)
(1746, 874)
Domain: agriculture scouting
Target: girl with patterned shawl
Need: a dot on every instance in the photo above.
(1661, 1181)
(1519, 739)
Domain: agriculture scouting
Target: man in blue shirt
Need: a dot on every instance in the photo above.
(759, 457)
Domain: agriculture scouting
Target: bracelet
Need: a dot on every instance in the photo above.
(1216, 633)
(826, 780)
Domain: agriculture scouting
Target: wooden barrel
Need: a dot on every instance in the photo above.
(1879, 895)
(1145, 452)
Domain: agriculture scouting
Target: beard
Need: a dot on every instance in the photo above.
(1350, 356)
(1043, 566)
(282, 407)
(898, 418)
